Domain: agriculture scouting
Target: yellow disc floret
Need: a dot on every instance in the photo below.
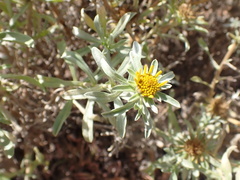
(147, 83)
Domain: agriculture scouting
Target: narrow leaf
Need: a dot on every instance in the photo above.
(120, 110)
(75, 58)
(101, 11)
(6, 143)
(78, 93)
(148, 121)
(56, 82)
(124, 66)
(122, 24)
(199, 80)
(226, 167)
(121, 120)
(85, 36)
(99, 28)
(167, 77)
(168, 99)
(22, 77)
(136, 55)
(123, 88)
(102, 96)
(200, 29)
(61, 117)
(105, 67)
(87, 124)
(185, 41)
(87, 20)
(17, 37)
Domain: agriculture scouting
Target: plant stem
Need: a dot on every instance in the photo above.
(231, 50)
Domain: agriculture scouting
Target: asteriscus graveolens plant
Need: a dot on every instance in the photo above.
(139, 90)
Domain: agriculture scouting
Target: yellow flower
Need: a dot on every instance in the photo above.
(147, 83)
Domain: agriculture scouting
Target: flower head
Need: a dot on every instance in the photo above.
(218, 106)
(143, 84)
(186, 12)
(194, 147)
(147, 83)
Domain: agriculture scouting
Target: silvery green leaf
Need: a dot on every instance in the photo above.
(87, 124)
(226, 167)
(61, 117)
(56, 82)
(124, 66)
(237, 175)
(186, 43)
(122, 24)
(196, 173)
(123, 88)
(166, 77)
(173, 176)
(75, 58)
(150, 103)
(155, 66)
(99, 27)
(120, 47)
(132, 74)
(78, 93)
(87, 19)
(148, 121)
(135, 56)
(168, 99)
(98, 55)
(101, 11)
(17, 37)
(121, 120)
(120, 110)
(111, 72)
(200, 29)
(105, 107)
(23, 77)
(139, 114)
(85, 36)
(135, 97)
(105, 67)
(166, 86)
(6, 143)
(101, 96)
(187, 164)
(154, 108)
